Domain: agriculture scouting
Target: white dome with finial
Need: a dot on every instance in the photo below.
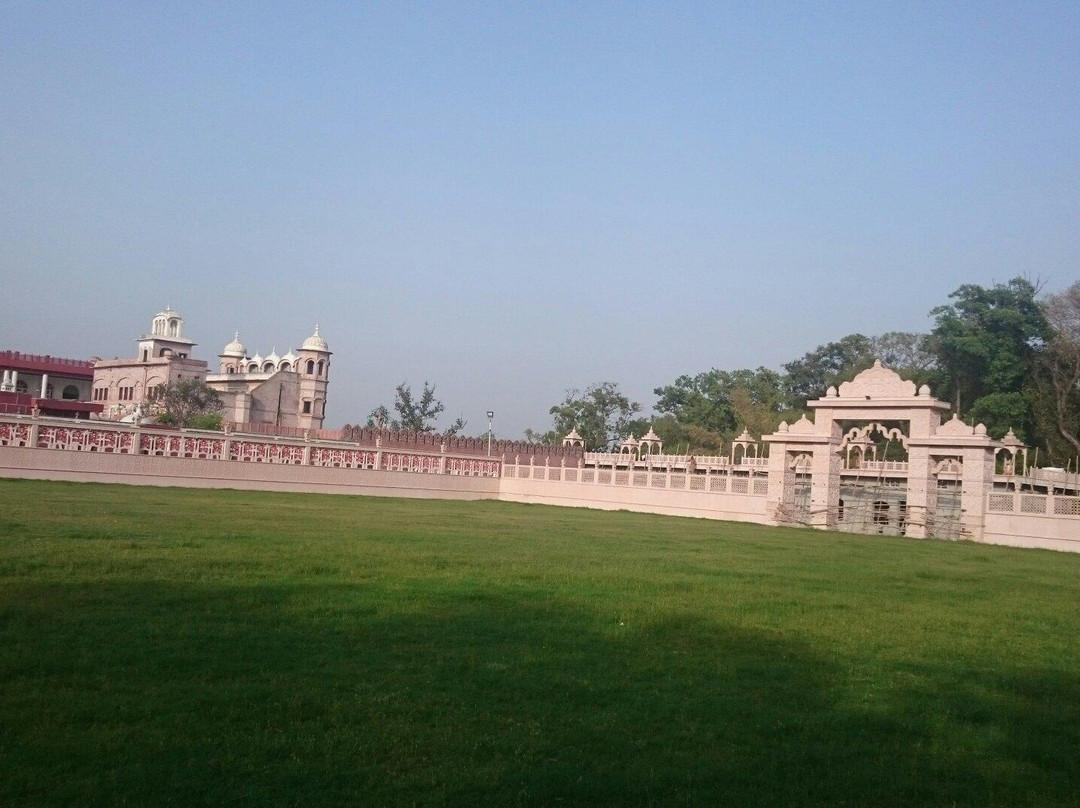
(315, 342)
(235, 348)
(273, 357)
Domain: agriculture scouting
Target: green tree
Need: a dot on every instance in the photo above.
(414, 413)
(1000, 412)
(680, 438)
(188, 403)
(909, 354)
(713, 401)
(825, 366)
(986, 342)
(549, 438)
(601, 413)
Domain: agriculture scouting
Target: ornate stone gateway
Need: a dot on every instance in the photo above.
(877, 459)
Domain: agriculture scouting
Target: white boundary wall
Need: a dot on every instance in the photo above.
(1021, 519)
(46, 464)
(1016, 519)
(674, 494)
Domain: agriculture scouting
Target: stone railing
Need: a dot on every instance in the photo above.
(1029, 504)
(647, 461)
(111, 438)
(702, 481)
(880, 465)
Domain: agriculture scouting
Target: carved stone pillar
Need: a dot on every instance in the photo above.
(825, 467)
(781, 481)
(977, 480)
(921, 491)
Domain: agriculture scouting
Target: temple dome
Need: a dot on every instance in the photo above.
(235, 348)
(315, 343)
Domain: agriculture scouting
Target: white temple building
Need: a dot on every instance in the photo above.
(284, 391)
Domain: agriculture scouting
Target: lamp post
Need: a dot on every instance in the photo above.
(490, 415)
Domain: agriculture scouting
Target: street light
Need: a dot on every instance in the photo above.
(490, 415)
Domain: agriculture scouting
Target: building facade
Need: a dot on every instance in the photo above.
(286, 391)
(53, 385)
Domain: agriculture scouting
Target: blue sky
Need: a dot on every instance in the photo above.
(512, 199)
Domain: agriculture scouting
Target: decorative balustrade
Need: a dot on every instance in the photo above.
(45, 433)
(85, 440)
(664, 462)
(14, 434)
(343, 458)
(880, 465)
(1029, 504)
(705, 481)
(182, 446)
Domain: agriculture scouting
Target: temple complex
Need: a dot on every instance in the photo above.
(284, 391)
(874, 455)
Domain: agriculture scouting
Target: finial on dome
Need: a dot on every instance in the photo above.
(316, 342)
(234, 348)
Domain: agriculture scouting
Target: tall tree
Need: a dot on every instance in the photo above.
(825, 366)
(718, 401)
(986, 341)
(1058, 369)
(601, 413)
(908, 353)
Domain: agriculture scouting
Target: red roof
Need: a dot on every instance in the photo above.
(76, 368)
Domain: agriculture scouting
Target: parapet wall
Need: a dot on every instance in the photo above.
(706, 496)
(369, 437)
(38, 464)
(62, 449)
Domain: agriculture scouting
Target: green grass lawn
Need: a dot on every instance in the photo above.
(184, 647)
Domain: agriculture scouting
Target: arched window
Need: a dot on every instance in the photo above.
(174, 328)
(311, 366)
(253, 368)
(145, 354)
(230, 369)
(268, 367)
(320, 367)
(307, 407)
(71, 393)
(285, 366)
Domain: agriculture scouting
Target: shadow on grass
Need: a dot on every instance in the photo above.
(150, 694)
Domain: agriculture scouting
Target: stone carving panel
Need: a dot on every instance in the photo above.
(878, 382)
